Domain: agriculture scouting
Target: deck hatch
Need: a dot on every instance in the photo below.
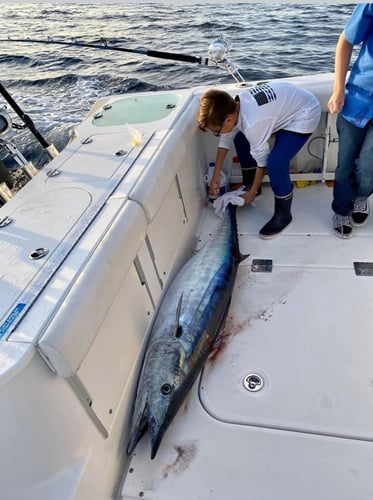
(363, 268)
(139, 109)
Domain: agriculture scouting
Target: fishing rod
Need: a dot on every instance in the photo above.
(105, 46)
(50, 148)
(217, 52)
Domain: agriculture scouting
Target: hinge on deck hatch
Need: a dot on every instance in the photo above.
(142, 278)
(363, 268)
(261, 266)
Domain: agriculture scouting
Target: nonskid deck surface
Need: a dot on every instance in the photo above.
(301, 323)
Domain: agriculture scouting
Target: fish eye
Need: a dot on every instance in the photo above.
(166, 389)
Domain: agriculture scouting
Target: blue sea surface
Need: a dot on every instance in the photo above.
(56, 85)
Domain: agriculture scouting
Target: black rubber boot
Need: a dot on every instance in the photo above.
(281, 218)
(248, 164)
(248, 178)
(248, 175)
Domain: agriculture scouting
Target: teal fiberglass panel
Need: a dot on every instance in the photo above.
(139, 109)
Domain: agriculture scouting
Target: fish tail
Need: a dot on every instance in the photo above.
(232, 209)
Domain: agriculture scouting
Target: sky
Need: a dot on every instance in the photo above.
(166, 1)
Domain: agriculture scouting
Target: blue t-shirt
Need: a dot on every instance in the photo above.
(358, 108)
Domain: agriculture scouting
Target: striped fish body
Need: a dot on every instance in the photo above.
(186, 325)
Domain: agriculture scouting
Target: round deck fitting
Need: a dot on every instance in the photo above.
(253, 382)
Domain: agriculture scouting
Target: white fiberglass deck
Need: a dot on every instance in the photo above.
(305, 328)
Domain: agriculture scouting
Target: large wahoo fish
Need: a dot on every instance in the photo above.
(186, 325)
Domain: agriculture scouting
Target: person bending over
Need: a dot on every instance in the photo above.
(288, 113)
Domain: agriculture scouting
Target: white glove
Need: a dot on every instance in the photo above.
(233, 197)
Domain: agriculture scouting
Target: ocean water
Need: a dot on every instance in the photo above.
(57, 85)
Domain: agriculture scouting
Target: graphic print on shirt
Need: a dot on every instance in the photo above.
(263, 94)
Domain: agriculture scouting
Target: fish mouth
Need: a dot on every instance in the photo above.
(156, 435)
(138, 429)
(145, 421)
(160, 394)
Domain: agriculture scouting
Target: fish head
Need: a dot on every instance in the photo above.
(164, 387)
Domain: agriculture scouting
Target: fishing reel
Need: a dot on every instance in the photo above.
(218, 52)
(15, 170)
(5, 122)
(7, 146)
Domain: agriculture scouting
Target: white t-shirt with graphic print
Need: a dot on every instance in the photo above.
(268, 108)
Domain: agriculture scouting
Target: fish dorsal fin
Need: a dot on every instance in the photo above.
(178, 329)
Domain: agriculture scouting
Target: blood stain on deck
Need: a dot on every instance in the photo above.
(230, 329)
(185, 454)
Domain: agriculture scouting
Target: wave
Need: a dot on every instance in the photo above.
(22, 60)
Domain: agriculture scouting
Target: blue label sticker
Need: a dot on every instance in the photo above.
(11, 319)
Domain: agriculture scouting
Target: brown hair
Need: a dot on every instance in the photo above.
(215, 105)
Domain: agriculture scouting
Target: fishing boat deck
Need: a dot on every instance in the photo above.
(298, 331)
(88, 247)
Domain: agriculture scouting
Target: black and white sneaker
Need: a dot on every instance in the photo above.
(342, 226)
(360, 213)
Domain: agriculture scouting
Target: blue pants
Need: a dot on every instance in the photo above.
(354, 173)
(287, 144)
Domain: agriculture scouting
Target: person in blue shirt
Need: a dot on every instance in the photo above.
(354, 102)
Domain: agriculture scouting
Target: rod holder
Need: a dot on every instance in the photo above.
(52, 151)
(30, 169)
(5, 193)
